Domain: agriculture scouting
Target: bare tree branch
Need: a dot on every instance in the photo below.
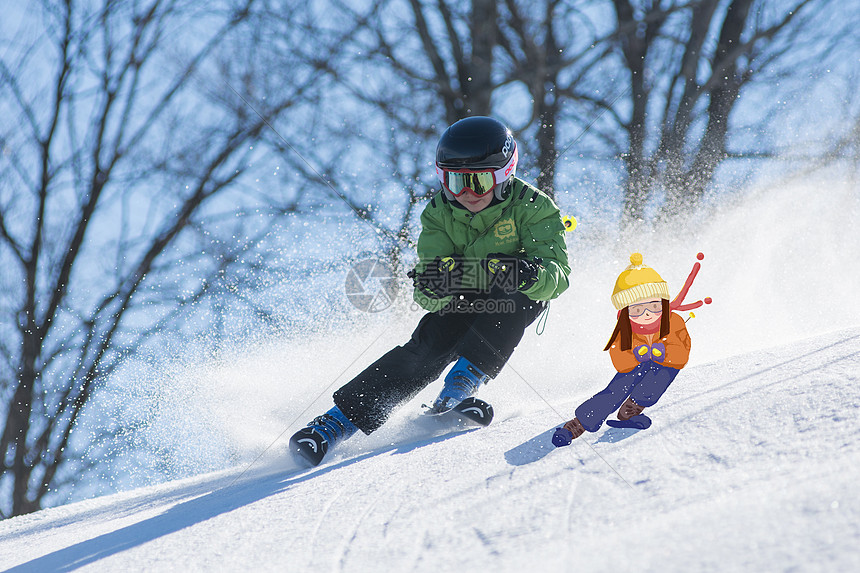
(105, 146)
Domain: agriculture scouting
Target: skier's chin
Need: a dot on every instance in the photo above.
(476, 205)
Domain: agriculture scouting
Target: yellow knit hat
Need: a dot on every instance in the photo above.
(638, 282)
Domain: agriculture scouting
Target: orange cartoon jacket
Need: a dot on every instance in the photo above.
(677, 344)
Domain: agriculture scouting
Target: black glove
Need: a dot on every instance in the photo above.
(441, 278)
(511, 273)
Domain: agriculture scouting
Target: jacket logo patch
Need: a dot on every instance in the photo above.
(505, 230)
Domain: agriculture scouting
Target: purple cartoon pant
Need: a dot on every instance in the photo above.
(644, 384)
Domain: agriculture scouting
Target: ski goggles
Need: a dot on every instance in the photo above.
(479, 182)
(639, 309)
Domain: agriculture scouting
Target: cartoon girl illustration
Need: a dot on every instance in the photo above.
(648, 347)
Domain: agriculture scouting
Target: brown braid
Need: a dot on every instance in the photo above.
(623, 329)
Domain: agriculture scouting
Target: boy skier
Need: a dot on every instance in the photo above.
(490, 253)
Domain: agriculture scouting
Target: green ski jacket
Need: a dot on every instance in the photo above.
(526, 224)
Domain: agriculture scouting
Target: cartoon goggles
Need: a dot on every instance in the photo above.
(639, 309)
(480, 182)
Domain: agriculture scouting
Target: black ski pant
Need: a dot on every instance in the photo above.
(483, 328)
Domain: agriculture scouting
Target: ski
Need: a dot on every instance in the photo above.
(476, 410)
(472, 409)
(308, 446)
(639, 422)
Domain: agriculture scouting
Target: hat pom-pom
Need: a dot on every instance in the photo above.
(636, 259)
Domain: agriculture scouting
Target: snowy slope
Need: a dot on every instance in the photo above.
(752, 464)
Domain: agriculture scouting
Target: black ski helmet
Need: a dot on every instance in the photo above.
(479, 143)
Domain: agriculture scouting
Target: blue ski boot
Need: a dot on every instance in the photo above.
(462, 381)
(312, 443)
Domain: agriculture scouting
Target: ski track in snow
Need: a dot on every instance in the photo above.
(751, 465)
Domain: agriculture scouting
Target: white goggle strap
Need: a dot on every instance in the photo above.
(510, 168)
(440, 174)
